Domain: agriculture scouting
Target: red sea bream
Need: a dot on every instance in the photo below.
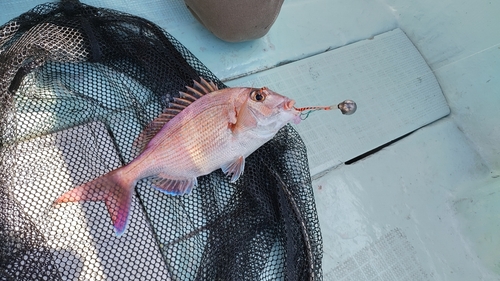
(203, 130)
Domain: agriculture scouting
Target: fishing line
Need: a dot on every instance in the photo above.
(305, 115)
(305, 111)
(347, 107)
(471, 55)
(454, 62)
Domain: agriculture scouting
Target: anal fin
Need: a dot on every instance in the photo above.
(174, 186)
(234, 168)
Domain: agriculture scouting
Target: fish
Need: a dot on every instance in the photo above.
(203, 130)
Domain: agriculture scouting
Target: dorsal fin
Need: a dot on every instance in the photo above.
(192, 94)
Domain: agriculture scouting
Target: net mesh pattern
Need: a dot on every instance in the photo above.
(78, 84)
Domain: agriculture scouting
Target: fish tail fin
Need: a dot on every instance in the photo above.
(114, 190)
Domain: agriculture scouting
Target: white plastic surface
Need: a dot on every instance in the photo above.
(289, 38)
(390, 258)
(415, 185)
(395, 91)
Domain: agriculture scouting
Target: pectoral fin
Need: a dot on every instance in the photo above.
(240, 119)
(174, 186)
(232, 114)
(234, 168)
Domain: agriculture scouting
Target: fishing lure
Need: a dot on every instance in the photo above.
(347, 107)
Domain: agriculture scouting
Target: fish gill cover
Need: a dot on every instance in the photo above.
(67, 67)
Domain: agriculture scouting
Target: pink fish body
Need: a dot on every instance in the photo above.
(204, 130)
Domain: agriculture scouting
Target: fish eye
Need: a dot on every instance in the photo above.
(258, 95)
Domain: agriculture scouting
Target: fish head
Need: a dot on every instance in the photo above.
(269, 110)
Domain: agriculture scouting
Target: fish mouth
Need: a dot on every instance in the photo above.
(287, 105)
(282, 113)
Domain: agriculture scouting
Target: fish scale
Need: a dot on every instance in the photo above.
(215, 129)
